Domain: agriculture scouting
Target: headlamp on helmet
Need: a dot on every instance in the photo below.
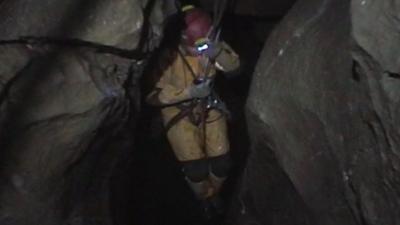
(202, 45)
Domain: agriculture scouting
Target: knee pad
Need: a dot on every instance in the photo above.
(196, 170)
(221, 165)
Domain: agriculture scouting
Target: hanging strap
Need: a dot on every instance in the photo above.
(187, 64)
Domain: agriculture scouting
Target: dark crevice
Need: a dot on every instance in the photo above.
(356, 71)
(393, 75)
(6, 89)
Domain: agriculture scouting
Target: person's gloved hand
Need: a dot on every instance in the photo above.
(200, 90)
(213, 49)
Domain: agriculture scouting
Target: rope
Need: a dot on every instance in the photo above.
(219, 10)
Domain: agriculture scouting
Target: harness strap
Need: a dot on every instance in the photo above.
(178, 117)
(206, 106)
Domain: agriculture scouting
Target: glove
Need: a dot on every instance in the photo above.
(213, 50)
(200, 90)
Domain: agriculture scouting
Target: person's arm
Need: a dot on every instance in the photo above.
(225, 58)
(166, 94)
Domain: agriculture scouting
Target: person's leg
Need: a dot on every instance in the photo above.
(184, 138)
(217, 146)
(217, 149)
(219, 170)
(196, 175)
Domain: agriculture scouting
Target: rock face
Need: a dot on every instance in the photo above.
(258, 8)
(99, 21)
(60, 106)
(323, 111)
(261, 8)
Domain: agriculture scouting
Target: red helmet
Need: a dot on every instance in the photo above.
(198, 24)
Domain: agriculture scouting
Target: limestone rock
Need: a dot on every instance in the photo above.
(104, 22)
(376, 29)
(60, 106)
(322, 108)
(258, 8)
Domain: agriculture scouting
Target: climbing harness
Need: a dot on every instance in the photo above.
(206, 104)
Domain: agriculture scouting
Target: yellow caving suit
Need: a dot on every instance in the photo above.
(185, 137)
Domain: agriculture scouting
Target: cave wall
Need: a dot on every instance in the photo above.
(323, 106)
(257, 8)
(272, 8)
(61, 107)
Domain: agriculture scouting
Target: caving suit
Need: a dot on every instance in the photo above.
(191, 140)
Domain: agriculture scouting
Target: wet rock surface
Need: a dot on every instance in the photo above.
(62, 109)
(322, 112)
